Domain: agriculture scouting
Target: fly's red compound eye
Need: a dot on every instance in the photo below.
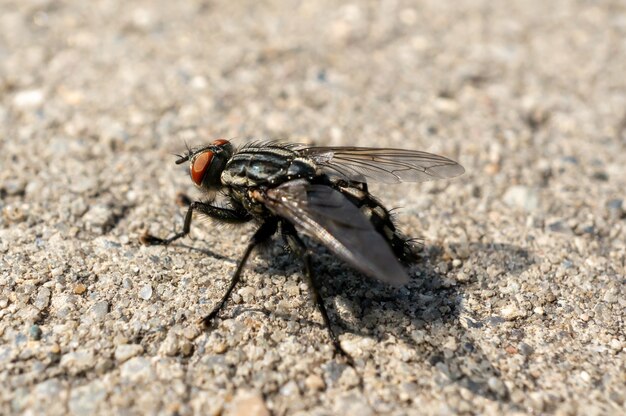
(199, 166)
(220, 142)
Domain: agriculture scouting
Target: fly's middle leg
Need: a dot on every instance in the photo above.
(261, 235)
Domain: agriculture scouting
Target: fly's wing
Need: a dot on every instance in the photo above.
(362, 164)
(326, 215)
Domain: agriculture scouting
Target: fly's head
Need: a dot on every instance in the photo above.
(207, 163)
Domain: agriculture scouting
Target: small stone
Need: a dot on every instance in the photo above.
(511, 350)
(353, 404)
(145, 292)
(124, 352)
(559, 227)
(35, 332)
(522, 197)
(616, 208)
(290, 389)
(78, 361)
(616, 345)
(357, 346)
(99, 217)
(524, 349)
(192, 332)
(512, 312)
(248, 403)
(104, 365)
(610, 296)
(79, 289)
(497, 386)
(585, 376)
(220, 347)
(13, 187)
(100, 309)
(169, 346)
(43, 298)
(314, 383)
(451, 344)
(14, 213)
(28, 98)
(186, 348)
(137, 369)
(85, 400)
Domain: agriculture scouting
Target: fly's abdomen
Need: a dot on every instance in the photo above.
(271, 166)
(380, 217)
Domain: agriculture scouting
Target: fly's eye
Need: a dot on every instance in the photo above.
(199, 166)
(220, 142)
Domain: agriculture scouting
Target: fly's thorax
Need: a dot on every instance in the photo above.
(266, 166)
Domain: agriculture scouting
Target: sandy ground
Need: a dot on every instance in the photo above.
(517, 305)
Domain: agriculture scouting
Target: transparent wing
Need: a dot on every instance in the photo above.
(327, 216)
(382, 165)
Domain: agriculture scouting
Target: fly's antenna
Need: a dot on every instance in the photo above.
(183, 159)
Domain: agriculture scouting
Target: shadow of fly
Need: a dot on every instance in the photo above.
(320, 192)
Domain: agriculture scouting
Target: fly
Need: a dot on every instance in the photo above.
(319, 192)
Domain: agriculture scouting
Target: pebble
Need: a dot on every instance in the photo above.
(169, 346)
(13, 187)
(497, 386)
(35, 332)
(290, 389)
(314, 383)
(186, 348)
(616, 208)
(353, 404)
(28, 98)
(616, 345)
(100, 309)
(512, 312)
(248, 403)
(79, 289)
(98, 218)
(522, 197)
(87, 399)
(137, 370)
(145, 292)
(124, 352)
(524, 349)
(78, 361)
(43, 298)
(559, 227)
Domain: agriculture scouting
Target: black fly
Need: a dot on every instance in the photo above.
(320, 192)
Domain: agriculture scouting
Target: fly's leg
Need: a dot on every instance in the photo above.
(223, 214)
(261, 235)
(298, 247)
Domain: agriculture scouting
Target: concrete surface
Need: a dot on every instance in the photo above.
(516, 307)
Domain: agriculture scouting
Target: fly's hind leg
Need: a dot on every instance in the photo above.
(300, 250)
(261, 235)
(223, 214)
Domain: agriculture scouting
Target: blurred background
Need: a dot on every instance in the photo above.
(528, 246)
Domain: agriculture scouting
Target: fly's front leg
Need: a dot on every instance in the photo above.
(298, 247)
(224, 214)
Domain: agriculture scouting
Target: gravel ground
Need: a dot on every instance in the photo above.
(517, 305)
